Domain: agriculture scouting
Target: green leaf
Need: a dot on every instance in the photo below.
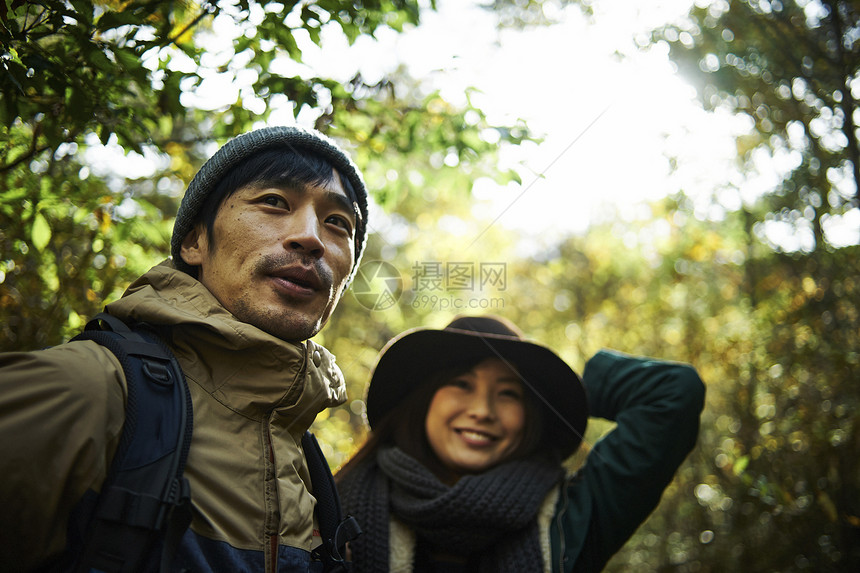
(741, 464)
(40, 234)
(116, 19)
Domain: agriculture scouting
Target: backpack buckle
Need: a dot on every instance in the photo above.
(157, 371)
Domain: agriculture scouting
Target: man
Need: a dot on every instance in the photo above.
(267, 238)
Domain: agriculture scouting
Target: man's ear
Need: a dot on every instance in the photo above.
(195, 246)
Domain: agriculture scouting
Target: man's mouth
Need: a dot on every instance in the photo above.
(303, 277)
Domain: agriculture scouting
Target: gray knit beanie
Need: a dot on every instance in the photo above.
(243, 147)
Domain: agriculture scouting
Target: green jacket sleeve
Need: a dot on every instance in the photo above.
(61, 415)
(656, 406)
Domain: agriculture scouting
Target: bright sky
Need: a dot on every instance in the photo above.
(608, 122)
(603, 118)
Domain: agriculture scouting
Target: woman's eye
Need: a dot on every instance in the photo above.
(512, 393)
(459, 383)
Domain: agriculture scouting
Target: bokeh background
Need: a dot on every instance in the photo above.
(676, 180)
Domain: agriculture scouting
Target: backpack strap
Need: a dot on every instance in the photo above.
(145, 500)
(334, 528)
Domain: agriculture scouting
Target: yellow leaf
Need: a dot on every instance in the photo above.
(828, 506)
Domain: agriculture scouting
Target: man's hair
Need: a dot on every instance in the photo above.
(405, 425)
(299, 154)
(277, 167)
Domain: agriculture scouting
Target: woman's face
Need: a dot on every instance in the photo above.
(476, 419)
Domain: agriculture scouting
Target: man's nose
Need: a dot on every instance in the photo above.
(303, 233)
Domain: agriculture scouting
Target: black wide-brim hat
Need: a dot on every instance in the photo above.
(411, 358)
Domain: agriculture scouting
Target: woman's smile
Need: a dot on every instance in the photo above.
(476, 420)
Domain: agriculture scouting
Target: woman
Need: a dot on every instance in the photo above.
(469, 427)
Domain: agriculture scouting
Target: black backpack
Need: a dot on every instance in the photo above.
(145, 502)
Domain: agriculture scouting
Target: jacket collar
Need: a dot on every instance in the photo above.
(243, 367)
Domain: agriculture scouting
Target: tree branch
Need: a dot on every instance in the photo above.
(207, 10)
(34, 150)
(848, 104)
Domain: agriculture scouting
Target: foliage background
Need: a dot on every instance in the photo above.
(774, 484)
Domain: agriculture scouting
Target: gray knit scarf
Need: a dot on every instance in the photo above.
(489, 517)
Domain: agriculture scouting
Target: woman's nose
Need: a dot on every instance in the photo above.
(481, 406)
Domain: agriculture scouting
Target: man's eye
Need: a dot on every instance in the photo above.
(275, 201)
(341, 222)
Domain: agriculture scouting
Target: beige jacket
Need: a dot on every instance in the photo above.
(62, 409)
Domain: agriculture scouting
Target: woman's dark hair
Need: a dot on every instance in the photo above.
(404, 426)
(278, 167)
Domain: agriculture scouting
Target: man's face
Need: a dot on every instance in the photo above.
(279, 257)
